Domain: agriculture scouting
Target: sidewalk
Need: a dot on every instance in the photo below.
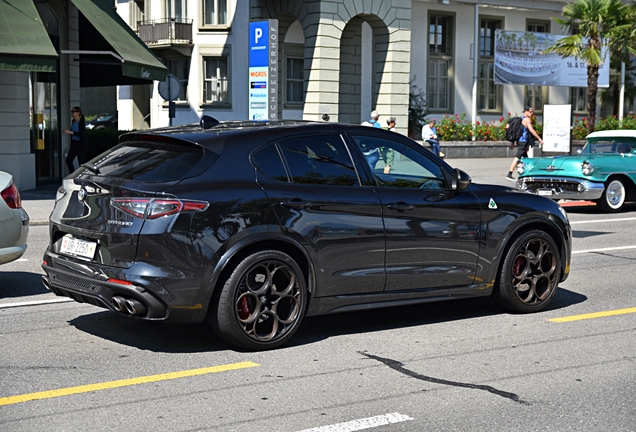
(39, 203)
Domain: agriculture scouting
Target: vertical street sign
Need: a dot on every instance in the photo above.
(557, 122)
(263, 70)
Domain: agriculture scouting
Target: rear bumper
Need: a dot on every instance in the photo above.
(89, 283)
(570, 188)
(11, 253)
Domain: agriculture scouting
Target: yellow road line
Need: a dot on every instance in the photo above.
(594, 315)
(123, 383)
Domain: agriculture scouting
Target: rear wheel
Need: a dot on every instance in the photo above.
(262, 303)
(530, 273)
(613, 197)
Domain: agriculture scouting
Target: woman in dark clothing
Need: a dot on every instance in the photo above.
(79, 141)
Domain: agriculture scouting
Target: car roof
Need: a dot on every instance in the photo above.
(623, 133)
(208, 128)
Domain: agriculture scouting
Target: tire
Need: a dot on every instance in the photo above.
(530, 273)
(262, 303)
(613, 197)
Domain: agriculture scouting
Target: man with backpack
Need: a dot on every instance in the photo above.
(525, 141)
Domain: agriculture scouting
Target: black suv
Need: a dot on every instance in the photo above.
(254, 225)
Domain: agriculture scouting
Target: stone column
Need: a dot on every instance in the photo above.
(15, 143)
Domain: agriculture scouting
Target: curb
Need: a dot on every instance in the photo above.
(38, 222)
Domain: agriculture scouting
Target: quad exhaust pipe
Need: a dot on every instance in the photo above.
(128, 306)
(119, 303)
(135, 307)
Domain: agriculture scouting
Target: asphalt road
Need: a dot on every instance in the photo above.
(454, 366)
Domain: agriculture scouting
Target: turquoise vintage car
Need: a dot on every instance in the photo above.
(604, 171)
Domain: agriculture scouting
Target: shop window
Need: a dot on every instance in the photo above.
(214, 12)
(440, 50)
(489, 94)
(295, 80)
(180, 68)
(536, 96)
(215, 81)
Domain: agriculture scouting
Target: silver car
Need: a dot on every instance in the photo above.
(14, 221)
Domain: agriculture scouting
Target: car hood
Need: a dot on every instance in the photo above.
(557, 165)
(570, 166)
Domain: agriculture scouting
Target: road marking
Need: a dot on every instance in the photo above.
(594, 315)
(361, 424)
(35, 302)
(604, 249)
(123, 383)
(21, 260)
(603, 220)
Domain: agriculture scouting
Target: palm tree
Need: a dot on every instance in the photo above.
(596, 22)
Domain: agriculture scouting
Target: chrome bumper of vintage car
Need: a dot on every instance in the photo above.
(562, 187)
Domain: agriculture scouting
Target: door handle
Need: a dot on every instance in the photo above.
(400, 206)
(295, 203)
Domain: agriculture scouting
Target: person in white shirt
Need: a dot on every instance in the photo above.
(429, 135)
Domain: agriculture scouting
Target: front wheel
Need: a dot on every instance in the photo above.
(262, 303)
(530, 273)
(613, 197)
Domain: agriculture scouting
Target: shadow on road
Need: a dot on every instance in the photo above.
(322, 327)
(21, 284)
(150, 335)
(191, 338)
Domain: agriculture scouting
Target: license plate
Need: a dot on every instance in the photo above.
(545, 192)
(78, 247)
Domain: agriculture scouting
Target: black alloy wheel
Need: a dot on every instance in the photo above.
(262, 303)
(530, 273)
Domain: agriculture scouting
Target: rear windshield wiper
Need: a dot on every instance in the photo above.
(91, 167)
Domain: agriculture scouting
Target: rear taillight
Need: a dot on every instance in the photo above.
(153, 208)
(12, 197)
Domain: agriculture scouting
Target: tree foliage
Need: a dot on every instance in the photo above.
(417, 109)
(594, 24)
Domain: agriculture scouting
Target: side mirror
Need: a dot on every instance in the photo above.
(460, 181)
(579, 151)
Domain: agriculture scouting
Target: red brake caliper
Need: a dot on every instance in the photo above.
(243, 307)
(516, 267)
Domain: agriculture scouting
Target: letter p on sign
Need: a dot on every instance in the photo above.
(258, 33)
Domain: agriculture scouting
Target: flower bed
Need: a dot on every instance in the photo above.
(458, 128)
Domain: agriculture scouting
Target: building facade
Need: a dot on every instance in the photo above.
(341, 57)
(49, 50)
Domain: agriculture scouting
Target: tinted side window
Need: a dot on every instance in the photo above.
(395, 164)
(319, 159)
(149, 161)
(268, 160)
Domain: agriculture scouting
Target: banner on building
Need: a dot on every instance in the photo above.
(263, 70)
(557, 121)
(520, 58)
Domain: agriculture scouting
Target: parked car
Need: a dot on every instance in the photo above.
(604, 171)
(14, 221)
(103, 121)
(255, 225)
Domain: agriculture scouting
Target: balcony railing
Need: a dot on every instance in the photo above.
(168, 31)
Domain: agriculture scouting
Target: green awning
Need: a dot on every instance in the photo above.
(24, 42)
(102, 29)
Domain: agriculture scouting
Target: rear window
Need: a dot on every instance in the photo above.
(149, 161)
